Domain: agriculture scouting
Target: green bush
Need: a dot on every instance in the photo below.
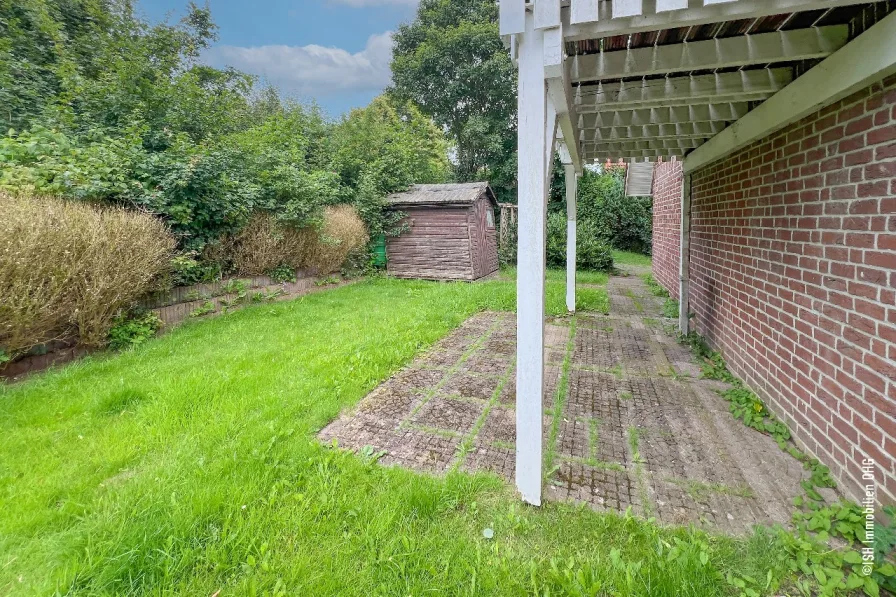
(132, 329)
(591, 252)
(624, 223)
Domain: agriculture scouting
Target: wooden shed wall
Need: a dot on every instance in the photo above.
(483, 238)
(436, 247)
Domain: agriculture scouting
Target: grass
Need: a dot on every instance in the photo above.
(190, 466)
(629, 258)
(559, 275)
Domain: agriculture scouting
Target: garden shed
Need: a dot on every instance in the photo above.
(449, 234)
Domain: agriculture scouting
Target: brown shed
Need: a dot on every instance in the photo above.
(451, 232)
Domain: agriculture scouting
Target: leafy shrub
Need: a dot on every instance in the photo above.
(129, 330)
(591, 252)
(186, 270)
(622, 222)
(282, 273)
(67, 268)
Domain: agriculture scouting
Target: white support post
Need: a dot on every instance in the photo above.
(572, 183)
(685, 256)
(532, 201)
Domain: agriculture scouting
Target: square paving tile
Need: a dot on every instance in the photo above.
(448, 414)
(636, 427)
(466, 384)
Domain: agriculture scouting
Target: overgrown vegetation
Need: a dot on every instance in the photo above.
(591, 253)
(826, 571)
(624, 223)
(68, 269)
(104, 108)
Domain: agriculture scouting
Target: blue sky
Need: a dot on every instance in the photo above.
(335, 52)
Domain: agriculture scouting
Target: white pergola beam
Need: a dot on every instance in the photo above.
(682, 130)
(532, 200)
(653, 144)
(632, 155)
(557, 78)
(868, 58)
(594, 20)
(728, 112)
(745, 85)
(743, 50)
(511, 16)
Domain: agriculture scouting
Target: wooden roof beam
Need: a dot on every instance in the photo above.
(745, 85)
(743, 50)
(725, 112)
(869, 57)
(683, 130)
(593, 19)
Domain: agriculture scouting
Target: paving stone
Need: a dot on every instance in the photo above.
(448, 414)
(466, 384)
(638, 426)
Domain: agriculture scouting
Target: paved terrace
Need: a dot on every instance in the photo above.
(627, 421)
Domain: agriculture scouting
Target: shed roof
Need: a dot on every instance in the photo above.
(442, 194)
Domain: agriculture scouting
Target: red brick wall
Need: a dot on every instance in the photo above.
(667, 225)
(793, 271)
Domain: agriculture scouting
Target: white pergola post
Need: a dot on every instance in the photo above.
(684, 256)
(532, 201)
(572, 183)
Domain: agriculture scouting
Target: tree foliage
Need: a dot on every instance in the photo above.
(451, 62)
(102, 106)
(603, 209)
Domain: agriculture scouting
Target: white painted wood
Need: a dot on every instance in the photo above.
(547, 14)
(572, 185)
(666, 5)
(583, 11)
(550, 134)
(604, 26)
(684, 257)
(532, 200)
(655, 144)
(590, 155)
(869, 57)
(762, 48)
(745, 85)
(684, 130)
(511, 16)
(626, 8)
(557, 77)
(711, 2)
(728, 112)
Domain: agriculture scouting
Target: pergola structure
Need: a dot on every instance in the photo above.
(646, 79)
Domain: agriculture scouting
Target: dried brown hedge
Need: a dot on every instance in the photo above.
(265, 243)
(67, 268)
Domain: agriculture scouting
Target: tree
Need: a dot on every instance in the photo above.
(451, 62)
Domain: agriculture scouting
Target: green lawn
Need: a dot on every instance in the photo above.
(559, 275)
(190, 466)
(629, 258)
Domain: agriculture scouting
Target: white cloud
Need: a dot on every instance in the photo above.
(362, 3)
(313, 70)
